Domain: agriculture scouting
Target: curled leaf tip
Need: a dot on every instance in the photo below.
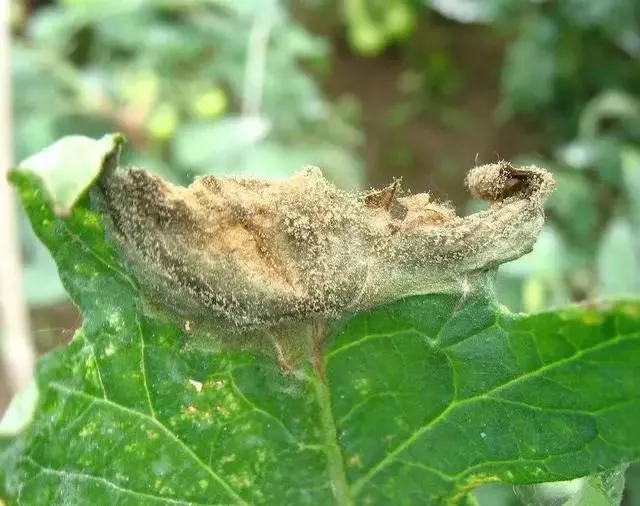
(254, 253)
(66, 169)
(501, 182)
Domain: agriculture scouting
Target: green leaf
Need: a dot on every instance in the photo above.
(631, 176)
(270, 160)
(575, 196)
(607, 105)
(529, 73)
(618, 265)
(424, 399)
(67, 168)
(632, 486)
(204, 145)
(535, 280)
(41, 284)
(20, 412)
(463, 11)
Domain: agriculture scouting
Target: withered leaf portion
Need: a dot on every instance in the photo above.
(250, 253)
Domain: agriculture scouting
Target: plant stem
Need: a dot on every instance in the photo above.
(335, 465)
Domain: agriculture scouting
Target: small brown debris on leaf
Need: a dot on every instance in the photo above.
(382, 199)
(253, 254)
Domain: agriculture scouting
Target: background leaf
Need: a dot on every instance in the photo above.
(204, 145)
(618, 266)
(602, 489)
(529, 73)
(425, 398)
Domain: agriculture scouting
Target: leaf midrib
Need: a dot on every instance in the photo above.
(335, 462)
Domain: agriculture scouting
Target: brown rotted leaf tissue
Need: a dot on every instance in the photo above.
(249, 254)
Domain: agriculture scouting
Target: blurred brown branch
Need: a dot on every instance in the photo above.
(17, 348)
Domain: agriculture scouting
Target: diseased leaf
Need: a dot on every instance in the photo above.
(255, 257)
(424, 398)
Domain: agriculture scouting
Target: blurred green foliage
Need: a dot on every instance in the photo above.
(177, 77)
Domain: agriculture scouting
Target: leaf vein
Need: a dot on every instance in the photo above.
(254, 407)
(143, 367)
(95, 359)
(359, 484)
(103, 261)
(65, 474)
(362, 403)
(366, 338)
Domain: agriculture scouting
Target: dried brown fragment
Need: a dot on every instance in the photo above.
(382, 199)
(249, 254)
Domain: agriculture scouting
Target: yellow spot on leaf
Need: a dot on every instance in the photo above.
(354, 461)
(217, 384)
(362, 386)
(240, 480)
(88, 430)
(115, 320)
(222, 411)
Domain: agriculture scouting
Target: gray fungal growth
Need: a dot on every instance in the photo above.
(249, 254)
